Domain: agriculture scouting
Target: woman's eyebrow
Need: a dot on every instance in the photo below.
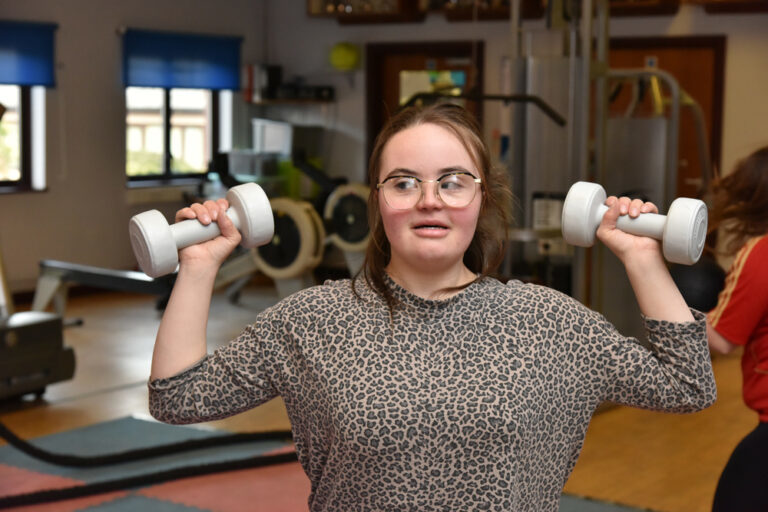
(455, 168)
(400, 171)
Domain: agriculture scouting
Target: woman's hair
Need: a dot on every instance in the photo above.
(740, 201)
(486, 250)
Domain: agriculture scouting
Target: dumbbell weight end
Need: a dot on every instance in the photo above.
(153, 244)
(685, 231)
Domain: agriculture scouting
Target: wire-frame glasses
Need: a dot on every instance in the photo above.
(455, 189)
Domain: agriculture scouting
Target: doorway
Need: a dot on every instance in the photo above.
(698, 64)
(394, 70)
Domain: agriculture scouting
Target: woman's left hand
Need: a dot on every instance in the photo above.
(625, 245)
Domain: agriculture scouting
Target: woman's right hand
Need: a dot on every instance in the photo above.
(215, 251)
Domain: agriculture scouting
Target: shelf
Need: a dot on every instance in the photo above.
(733, 6)
(620, 8)
(349, 12)
(529, 9)
(363, 18)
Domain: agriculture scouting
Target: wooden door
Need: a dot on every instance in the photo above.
(698, 64)
(386, 61)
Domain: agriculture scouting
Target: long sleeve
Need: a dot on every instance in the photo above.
(674, 375)
(232, 379)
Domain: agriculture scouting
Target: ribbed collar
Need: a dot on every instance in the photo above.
(411, 300)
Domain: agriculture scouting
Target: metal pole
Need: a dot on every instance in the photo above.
(582, 127)
(599, 68)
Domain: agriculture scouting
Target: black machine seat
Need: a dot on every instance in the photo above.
(32, 353)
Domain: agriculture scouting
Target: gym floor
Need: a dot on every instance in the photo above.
(661, 462)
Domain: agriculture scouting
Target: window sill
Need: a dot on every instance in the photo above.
(20, 189)
(160, 191)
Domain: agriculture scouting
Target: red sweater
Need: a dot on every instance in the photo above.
(741, 317)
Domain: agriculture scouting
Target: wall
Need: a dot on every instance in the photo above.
(84, 214)
(745, 102)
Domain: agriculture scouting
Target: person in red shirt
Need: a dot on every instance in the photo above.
(740, 209)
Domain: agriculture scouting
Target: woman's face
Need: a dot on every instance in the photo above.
(430, 236)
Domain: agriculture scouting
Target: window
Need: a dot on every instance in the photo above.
(173, 85)
(10, 134)
(165, 143)
(26, 68)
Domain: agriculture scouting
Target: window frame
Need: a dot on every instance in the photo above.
(167, 177)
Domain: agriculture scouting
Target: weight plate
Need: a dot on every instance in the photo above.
(285, 245)
(346, 211)
(299, 240)
(350, 218)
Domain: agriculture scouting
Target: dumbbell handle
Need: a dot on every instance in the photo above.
(191, 231)
(645, 224)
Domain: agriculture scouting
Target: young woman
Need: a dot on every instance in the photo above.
(740, 208)
(423, 383)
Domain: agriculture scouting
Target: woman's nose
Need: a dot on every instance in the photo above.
(429, 195)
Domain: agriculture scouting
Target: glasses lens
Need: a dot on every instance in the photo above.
(457, 190)
(401, 192)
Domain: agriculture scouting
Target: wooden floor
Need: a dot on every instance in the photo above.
(662, 462)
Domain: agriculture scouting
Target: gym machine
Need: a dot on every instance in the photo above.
(629, 156)
(303, 229)
(345, 211)
(297, 247)
(56, 277)
(32, 351)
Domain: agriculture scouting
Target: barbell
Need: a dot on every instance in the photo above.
(682, 230)
(156, 243)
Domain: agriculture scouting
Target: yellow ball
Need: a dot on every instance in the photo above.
(344, 56)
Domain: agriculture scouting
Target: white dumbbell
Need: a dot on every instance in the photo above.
(156, 244)
(682, 230)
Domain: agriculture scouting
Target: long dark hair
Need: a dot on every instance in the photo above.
(486, 250)
(740, 201)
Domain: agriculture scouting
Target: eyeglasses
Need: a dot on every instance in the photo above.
(455, 189)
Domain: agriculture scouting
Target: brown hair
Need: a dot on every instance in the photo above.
(486, 250)
(740, 201)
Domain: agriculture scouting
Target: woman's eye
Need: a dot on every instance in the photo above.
(451, 183)
(404, 184)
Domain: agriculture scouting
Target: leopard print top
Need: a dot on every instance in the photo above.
(477, 402)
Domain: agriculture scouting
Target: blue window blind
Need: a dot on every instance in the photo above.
(26, 53)
(176, 60)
